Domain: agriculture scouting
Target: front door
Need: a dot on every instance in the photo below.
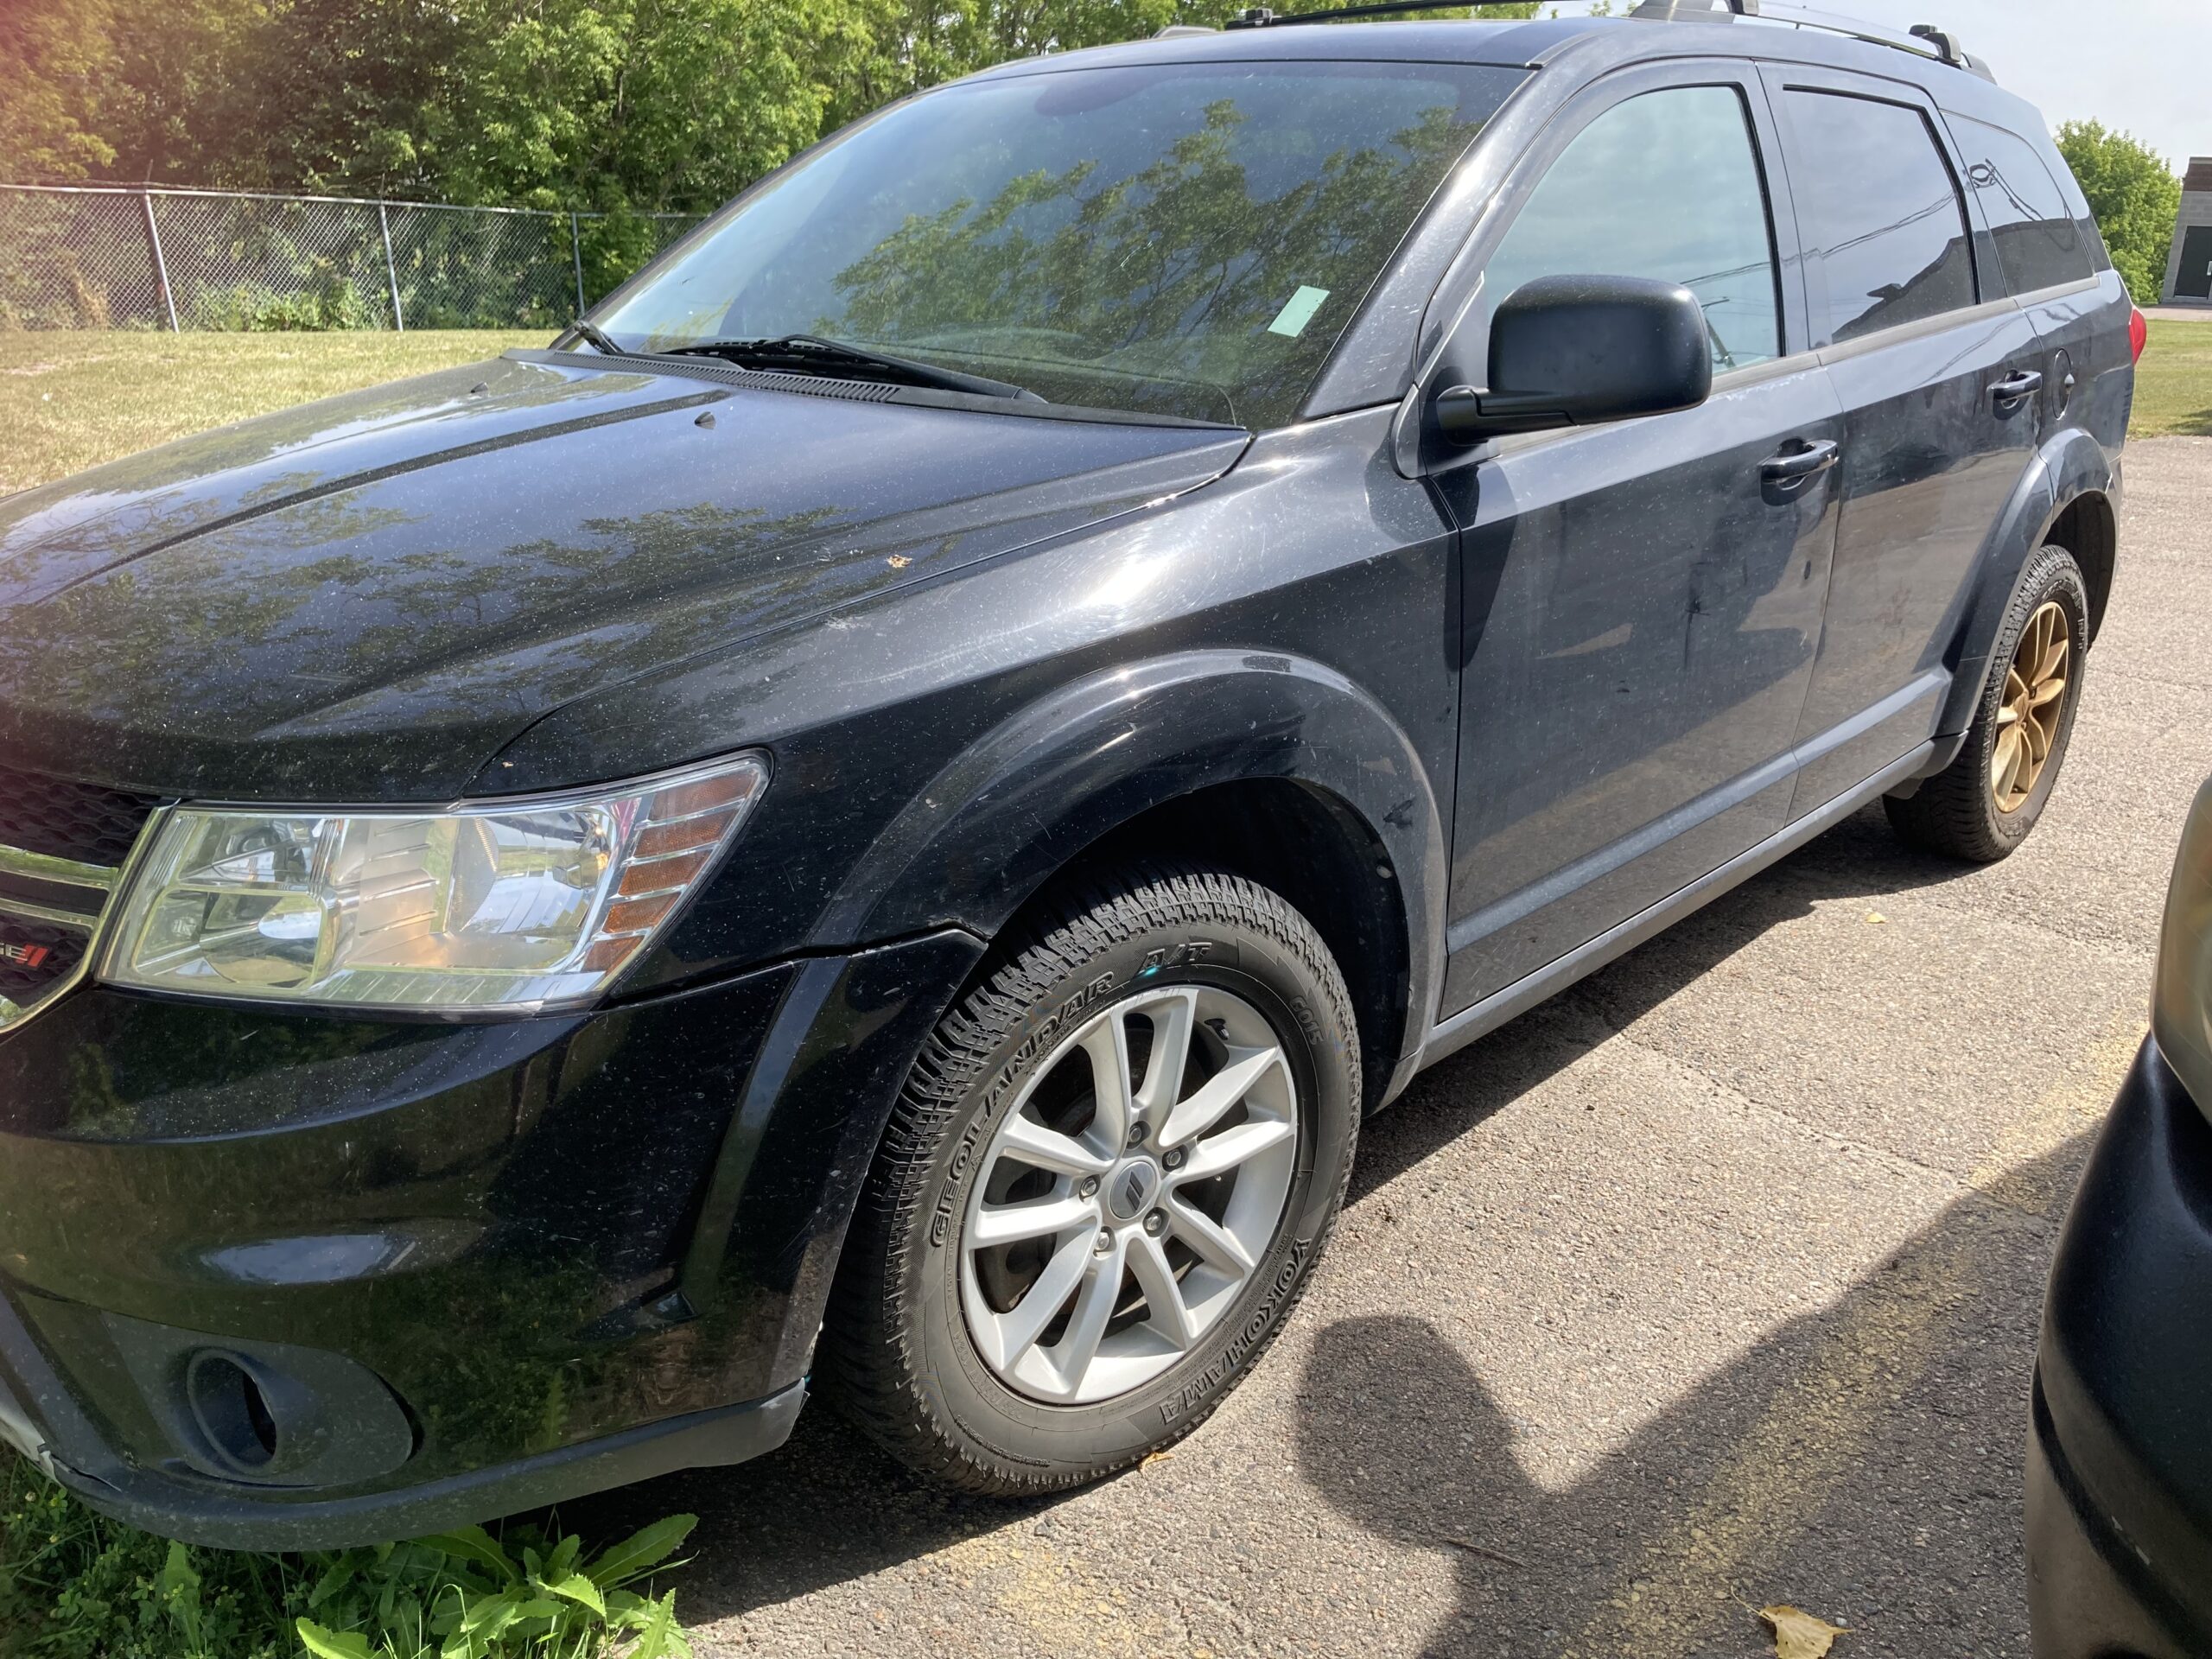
(1940, 374)
(1641, 601)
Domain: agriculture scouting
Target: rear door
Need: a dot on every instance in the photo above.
(1938, 371)
(2046, 247)
(1641, 600)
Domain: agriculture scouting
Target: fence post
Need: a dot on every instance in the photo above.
(161, 265)
(576, 249)
(391, 271)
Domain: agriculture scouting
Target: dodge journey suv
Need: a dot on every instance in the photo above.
(873, 819)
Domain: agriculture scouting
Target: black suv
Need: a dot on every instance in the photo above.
(880, 812)
(2120, 1452)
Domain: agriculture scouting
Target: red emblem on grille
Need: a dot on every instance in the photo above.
(23, 956)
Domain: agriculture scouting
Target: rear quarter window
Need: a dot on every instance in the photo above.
(1876, 200)
(2038, 244)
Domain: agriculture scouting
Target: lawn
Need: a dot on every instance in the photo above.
(68, 400)
(2173, 385)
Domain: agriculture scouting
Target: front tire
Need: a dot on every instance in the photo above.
(1102, 1188)
(1983, 803)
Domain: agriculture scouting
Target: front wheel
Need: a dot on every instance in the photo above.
(1102, 1188)
(1982, 805)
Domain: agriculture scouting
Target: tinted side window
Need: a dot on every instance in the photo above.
(2037, 242)
(1877, 200)
(1664, 185)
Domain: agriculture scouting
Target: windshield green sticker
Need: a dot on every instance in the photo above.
(1293, 317)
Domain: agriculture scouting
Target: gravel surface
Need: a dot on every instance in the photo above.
(1712, 1284)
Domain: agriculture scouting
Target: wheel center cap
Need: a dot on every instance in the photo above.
(1131, 1192)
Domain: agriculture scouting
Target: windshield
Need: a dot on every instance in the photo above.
(1182, 240)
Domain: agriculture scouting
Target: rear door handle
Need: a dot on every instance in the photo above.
(2013, 387)
(1807, 461)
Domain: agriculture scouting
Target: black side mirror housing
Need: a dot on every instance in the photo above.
(1578, 351)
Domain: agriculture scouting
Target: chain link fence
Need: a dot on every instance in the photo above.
(107, 257)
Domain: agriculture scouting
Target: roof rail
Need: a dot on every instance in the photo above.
(1264, 17)
(1922, 40)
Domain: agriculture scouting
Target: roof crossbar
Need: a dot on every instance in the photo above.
(1692, 10)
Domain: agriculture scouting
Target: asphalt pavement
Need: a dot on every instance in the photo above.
(1712, 1284)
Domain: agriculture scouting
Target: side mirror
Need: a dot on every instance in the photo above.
(1577, 350)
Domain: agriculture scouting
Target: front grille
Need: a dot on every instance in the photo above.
(82, 822)
(33, 958)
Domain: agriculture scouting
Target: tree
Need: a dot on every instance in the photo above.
(53, 59)
(622, 108)
(2133, 197)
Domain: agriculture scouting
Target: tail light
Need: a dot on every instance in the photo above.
(2139, 334)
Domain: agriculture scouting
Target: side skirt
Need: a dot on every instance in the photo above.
(1464, 1027)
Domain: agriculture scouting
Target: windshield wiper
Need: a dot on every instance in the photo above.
(598, 338)
(811, 355)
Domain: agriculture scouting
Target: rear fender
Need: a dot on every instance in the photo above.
(2070, 464)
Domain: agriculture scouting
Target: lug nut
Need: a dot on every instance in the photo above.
(1176, 1158)
(1156, 1223)
(1088, 1189)
(1104, 1244)
(1136, 1133)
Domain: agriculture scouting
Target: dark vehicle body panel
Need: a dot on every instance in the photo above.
(1928, 460)
(1648, 608)
(383, 621)
(547, 1236)
(2119, 1457)
(977, 644)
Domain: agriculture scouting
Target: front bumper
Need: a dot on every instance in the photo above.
(281, 1282)
(2120, 1455)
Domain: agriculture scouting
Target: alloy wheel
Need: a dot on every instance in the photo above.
(1126, 1200)
(2033, 698)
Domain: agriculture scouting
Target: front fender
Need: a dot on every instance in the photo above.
(994, 825)
(2070, 464)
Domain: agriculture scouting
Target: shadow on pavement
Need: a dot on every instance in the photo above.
(1865, 1461)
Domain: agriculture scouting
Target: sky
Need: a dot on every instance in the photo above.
(2142, 66)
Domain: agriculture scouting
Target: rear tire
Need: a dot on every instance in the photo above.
(1983, 803)
(929, 1344)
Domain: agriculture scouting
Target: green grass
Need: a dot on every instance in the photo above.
(69, 401)
(74, 1585)
(2173, 384)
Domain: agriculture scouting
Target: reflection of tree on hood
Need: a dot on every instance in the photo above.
(1178, 268)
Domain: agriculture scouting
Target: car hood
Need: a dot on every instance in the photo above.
(364, 599)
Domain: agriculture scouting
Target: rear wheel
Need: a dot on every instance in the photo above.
(1982, 805)
(1102, 1188)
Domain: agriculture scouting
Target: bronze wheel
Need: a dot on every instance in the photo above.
(2033, 699)
(1983, 804)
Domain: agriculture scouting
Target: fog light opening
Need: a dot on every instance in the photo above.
(233, 1412)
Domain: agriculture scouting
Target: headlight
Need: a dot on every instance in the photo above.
(2181, 1006)
(512, 905)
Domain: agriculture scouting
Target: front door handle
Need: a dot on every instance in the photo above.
(2013, 387)
(1808, 460)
